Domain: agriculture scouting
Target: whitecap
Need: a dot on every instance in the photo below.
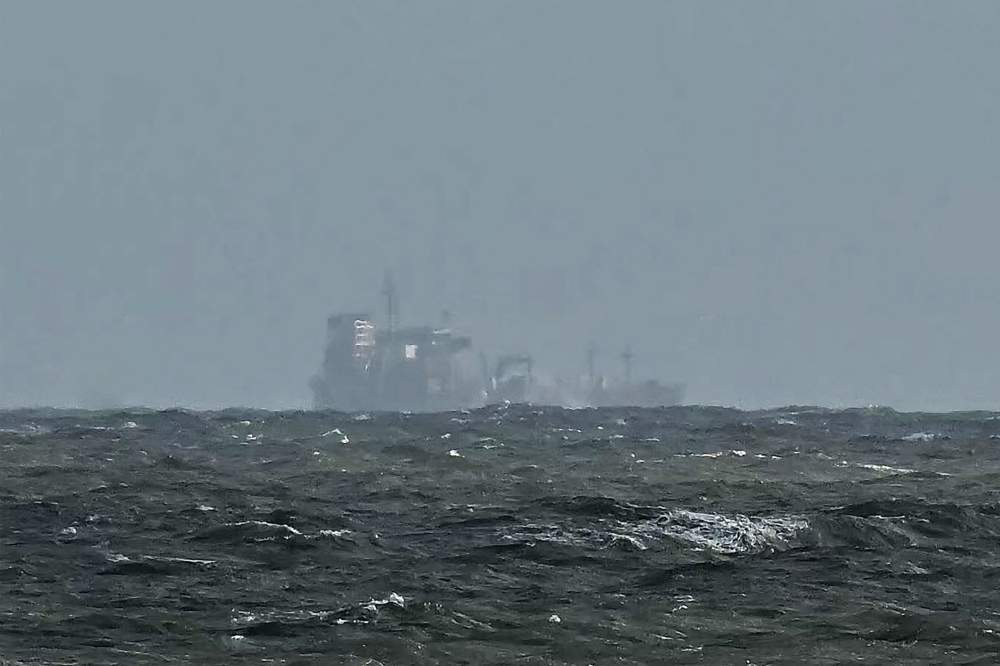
(737, 534)
(177, 560)
(393, 598)
(337, 431)
(274, 526)
(886, 468)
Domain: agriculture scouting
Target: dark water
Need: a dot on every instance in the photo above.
(503, 536)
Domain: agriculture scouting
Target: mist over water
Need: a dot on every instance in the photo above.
(772, 207)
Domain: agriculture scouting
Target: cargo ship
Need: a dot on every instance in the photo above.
(366, 367)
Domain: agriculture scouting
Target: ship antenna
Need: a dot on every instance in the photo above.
(591, 354)
(592, 381)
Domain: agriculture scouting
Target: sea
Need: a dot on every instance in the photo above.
(511, 534)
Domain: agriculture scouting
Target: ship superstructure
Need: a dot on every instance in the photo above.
(395, 369)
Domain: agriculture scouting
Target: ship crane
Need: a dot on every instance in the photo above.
(627, 357)
(391, 300)
(591, 356)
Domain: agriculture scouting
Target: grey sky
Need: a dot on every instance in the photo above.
(773, 202)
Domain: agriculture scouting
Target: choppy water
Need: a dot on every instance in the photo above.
(502, 536)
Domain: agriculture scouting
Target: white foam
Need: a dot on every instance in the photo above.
(739, 453)
(337, 431)
(243, 618)
(393, 598)
(737, 534)
(177, 560)
(260, 523)
(886, 468)
(628, 541)
(28, 429)
(283, 531)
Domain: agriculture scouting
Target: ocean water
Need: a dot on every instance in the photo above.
(507, 535)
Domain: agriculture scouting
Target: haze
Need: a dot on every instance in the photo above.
(773, 203)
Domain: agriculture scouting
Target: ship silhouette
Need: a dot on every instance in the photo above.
(366, 367)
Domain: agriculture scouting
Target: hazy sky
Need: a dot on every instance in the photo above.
(772, 202)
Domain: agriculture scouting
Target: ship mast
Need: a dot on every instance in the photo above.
(392, 307)
(627, 357)
(391, 300)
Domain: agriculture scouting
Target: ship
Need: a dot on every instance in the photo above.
(410, 369)
(623, 391)
(367, 367)
(513, 381)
